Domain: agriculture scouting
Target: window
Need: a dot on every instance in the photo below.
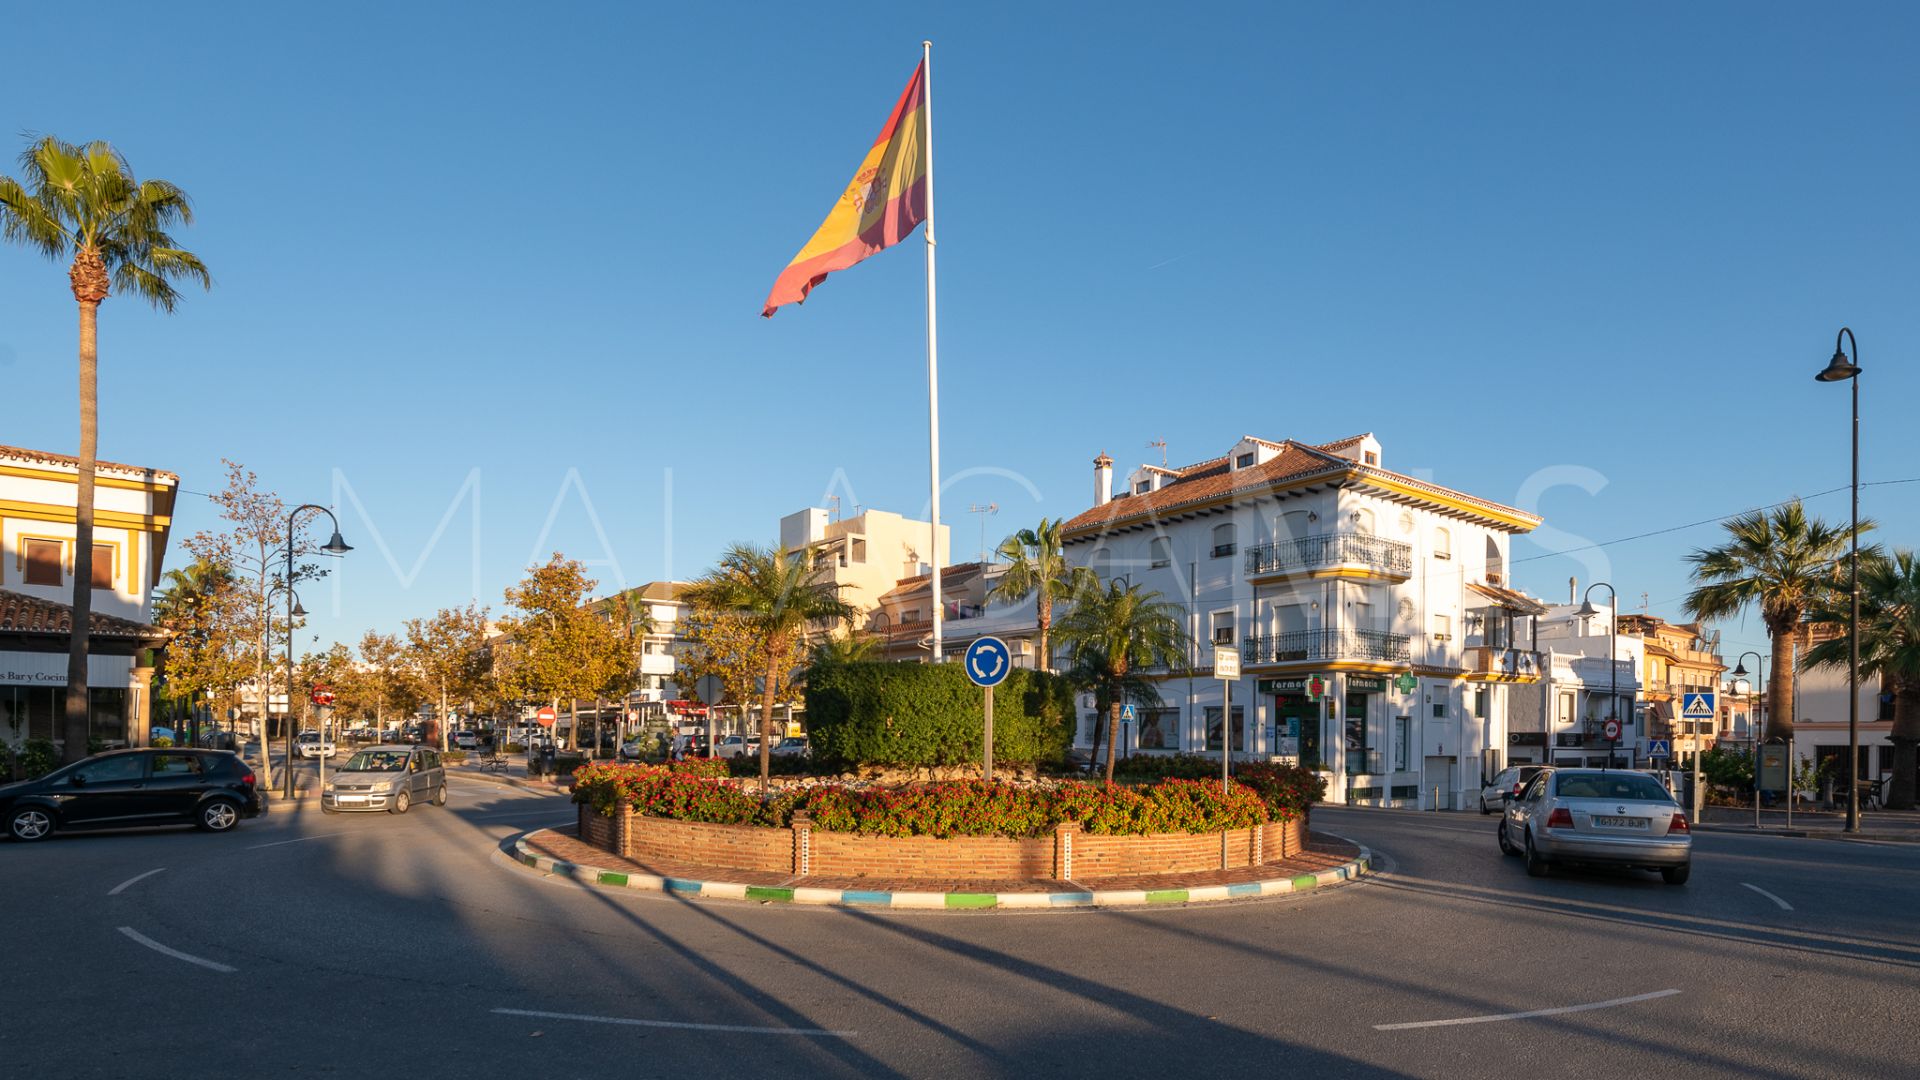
(110, 770)
(43, 562)
(1442, 544)
(1402, 742)
(1371, 458)
(1160, 552)
(910, 615)
(176, 765)
(1222, 627)
(1443, 628)
(1480, 702)
(1157, 727)
(1244, 461)
(1143, 487)
(859, 549)
(1225, 539)
(103, 566)
(1239, 728)
(1439, 710)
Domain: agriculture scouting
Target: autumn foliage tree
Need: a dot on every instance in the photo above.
(448, 651)
(556, 647)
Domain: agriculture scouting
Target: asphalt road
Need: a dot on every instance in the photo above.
(373, 944)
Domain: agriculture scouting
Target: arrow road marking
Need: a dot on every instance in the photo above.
(734, 1029)
(1784, 906)
(175, 953)
(1526, 1015)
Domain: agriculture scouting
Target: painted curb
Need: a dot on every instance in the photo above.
(1351, 870)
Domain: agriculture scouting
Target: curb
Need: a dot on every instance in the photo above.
(1813, 834)
(1080, 898)
(509, 781)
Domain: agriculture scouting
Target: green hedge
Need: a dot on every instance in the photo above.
(929, 714)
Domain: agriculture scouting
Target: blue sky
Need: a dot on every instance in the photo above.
(1583, 259)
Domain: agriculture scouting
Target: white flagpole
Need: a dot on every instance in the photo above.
(933, 358)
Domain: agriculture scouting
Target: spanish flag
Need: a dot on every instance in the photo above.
(881, 206)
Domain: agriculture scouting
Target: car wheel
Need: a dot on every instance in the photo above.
(1506, 845)
(400, 803)
(1483, 805)
(440, 796)
(1536, 866)
(1676, 875)
(219, 816)
(30, 823)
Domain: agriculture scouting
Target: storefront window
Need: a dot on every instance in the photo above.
(108, 714)
(1156, 729)
(1239, 728)
(1358, 744)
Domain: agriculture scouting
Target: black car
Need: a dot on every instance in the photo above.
(212, 789)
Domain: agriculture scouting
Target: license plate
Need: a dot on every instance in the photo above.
(1621, 822)
(343, 799)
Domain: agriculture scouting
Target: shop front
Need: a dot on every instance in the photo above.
(33, 674)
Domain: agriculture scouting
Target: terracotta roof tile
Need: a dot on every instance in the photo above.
(23, 614)
(45, 457)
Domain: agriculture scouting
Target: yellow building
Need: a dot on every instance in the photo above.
(1679, 660)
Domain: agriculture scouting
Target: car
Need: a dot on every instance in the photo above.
(792, 746)
(1512, 779)
(308, 744)
(1612, 817)
(211, 789)
(639, 747)
(685, 746)
(734, 746)
(466, 740)
(390, 778)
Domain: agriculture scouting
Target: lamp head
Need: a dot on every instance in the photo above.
(299, 610)
(335, 545)
(1587, 610)
(1839, 369)
(1740, 670)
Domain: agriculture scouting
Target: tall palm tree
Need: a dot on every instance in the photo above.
(1782, 561)
(1889, 648)
(83, 202)
(1037, 567)
(778, 594)
(1121, 631)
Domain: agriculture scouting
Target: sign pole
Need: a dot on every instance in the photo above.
(1226, 668)
(987, 704)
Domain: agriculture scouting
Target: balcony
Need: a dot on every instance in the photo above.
(1494, 663)
(1332, 555)
(1323, 646)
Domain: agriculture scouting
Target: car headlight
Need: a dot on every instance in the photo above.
(329, 786)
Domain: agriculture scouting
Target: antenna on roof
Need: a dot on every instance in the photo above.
(1162, 445)
(984, 512)
(835, 500)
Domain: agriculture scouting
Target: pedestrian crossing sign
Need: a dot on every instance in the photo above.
(1126, 714)
(1697, 706)
(1659, 748)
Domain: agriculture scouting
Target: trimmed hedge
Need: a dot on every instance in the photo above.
(881, 713)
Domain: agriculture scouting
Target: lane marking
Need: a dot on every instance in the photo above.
(735, 1029)
(175, 953)
(296, 840)
(1528, 1014)
(1784, 906)
(120, 888)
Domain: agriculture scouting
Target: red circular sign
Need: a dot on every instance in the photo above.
(1612, 729)
(321, 695)
(546, 716)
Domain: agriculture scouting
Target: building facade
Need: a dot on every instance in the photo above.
(867, 555)
(1680, 658)
(1581, 689)
(1378, 629)
(39, 493)
(901, 623)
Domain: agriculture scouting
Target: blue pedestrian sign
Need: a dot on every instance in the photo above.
(1697, 706)
(1126, 714)
(987, 661)
(1659, 748)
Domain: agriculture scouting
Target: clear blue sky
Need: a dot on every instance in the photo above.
(1533, 250)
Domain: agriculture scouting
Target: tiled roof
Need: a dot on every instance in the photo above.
(958, 574)
(23, 614)
(1212, 479)
(44, 457)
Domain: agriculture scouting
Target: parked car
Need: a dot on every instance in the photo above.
(308, 744)
(792, 746)
(689, 746)
(733, 746)
(390, 778)
(212, 789)
(1614, 817)
(1510, 780)
(466, 740)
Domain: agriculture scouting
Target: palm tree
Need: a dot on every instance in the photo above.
(778, 594)
(83, 201)
(1783, 561)
(855, 648)
(1037, 567)
(1092, 673)
(1889, 648)
(1121, 631)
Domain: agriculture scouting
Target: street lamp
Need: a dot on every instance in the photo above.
(335, 547)
(1753, 729)
(1588, 611)
(1841, 369)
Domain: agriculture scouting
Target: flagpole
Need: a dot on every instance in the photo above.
(933, 359)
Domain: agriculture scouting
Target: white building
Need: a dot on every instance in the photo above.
(133, 514)
(1325, 569)
(1577, 685)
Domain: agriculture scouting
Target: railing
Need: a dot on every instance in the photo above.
(1334, 644)
(1496, 660)
(1331, 549)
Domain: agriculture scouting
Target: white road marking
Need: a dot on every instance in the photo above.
(295, 840)
(734, 1029)
(1525, 1015)
(118, 889)
(175, 953)
(1784, 906)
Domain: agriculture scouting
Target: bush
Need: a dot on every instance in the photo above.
(777, 765)
(1287, 791)
(1162, 766)
(37, 758)
(162, 742)
(929, 714)
(453, 757)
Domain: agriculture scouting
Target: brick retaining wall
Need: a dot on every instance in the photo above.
(803, 850)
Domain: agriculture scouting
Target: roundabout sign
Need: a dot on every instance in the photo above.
(987, 662)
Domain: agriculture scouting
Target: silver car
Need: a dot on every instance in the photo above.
(390, 778)
(1615, 817)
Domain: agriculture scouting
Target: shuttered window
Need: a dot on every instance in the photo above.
(43, 562)
(103, 566)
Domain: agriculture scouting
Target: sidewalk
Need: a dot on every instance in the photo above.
(1900, 826)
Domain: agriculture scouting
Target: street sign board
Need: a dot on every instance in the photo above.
(1611, 728)
(1226, 663)
(1126, 714)
(710, 688)
(1659, 748)
(546, 716)
(987, 660)
(1697, 706)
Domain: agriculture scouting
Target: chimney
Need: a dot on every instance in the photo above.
(1102, 479)
(1573, 590)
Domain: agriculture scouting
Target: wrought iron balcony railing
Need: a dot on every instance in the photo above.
(1326, 644)
(1331, 549)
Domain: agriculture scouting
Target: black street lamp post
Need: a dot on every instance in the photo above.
(1588, 611)
(1841, 369)
(334, 546)
(1753, 729)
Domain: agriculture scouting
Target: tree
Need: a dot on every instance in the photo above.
(201, 608)
(556, 647)
(776, 595)
(1037, 567)
(1119, 631)
(335, 670)
(855, 648)
(391, 682)
(83, 202)
(449, 653)
(1889, 648)
(1780, 560)
(1093, 673)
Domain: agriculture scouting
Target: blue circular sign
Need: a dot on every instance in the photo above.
(987, 661)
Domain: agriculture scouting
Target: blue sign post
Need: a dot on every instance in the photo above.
(987, 662)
